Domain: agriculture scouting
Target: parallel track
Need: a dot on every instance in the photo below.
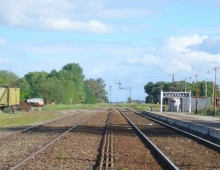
(187, 143)
(158, 152)
(107, 153)
(197, 138)
(108, 158)
(47, 145)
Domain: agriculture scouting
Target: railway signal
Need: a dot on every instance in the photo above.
(125, 88)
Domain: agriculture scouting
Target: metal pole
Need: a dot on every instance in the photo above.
(190, 105)
(196, 111)
(215, 94)
(214, 91)
(206, 90)
(161, 101)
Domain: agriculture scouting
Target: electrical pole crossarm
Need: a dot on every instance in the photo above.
(119, 84)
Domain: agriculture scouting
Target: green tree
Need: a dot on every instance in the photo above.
(72, 79)
(25, 89)
(89, 94)
(37, 82)
(98, 88)
(8, 78)
(153, 91)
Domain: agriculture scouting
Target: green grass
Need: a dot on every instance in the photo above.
(209, 112)
(25, 118)
(47, 113)
(62, 155)
(147, 107)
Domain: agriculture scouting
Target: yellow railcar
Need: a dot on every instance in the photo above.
(9, 96)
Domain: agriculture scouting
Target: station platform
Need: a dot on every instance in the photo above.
(203, 124)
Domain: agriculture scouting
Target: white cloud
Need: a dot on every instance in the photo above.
(67, 25)
(181, 58)
(147, 59)
(114, 60)
(49, 15)
(70, 15)
(175, 56)
(180, 44)
(210, 45)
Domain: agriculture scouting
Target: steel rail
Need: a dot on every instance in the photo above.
(47, 145)
(167, 161)
(204, 141)
(107, 154)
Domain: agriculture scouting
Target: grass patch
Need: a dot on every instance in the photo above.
(62, 155)
(47, 113)
(147, 107)
(25, 118)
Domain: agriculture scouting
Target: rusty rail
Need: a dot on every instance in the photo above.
(107, 154)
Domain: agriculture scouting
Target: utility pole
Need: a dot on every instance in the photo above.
(215, 91)
(196, 110)
(171, 102)
(206, 89)
(172, 83)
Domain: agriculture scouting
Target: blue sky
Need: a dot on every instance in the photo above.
(132, 42)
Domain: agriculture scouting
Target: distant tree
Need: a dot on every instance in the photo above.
(129, 100)
(8, 77)
(90, 96)
(53, 74)
(153, 91)
(98, 89)
(38, 84)
(25, 89)
(72, 78)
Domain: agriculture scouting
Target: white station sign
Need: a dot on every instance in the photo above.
(175, 94)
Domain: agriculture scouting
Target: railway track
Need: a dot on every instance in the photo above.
(18, 146)
(162, 157)
(69, 152)
(104, 139)
(70, 146)
(185, 150)
(47, 145)
(107, 151)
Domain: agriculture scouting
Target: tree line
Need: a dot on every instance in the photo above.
(203, 88)
(67, 86)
